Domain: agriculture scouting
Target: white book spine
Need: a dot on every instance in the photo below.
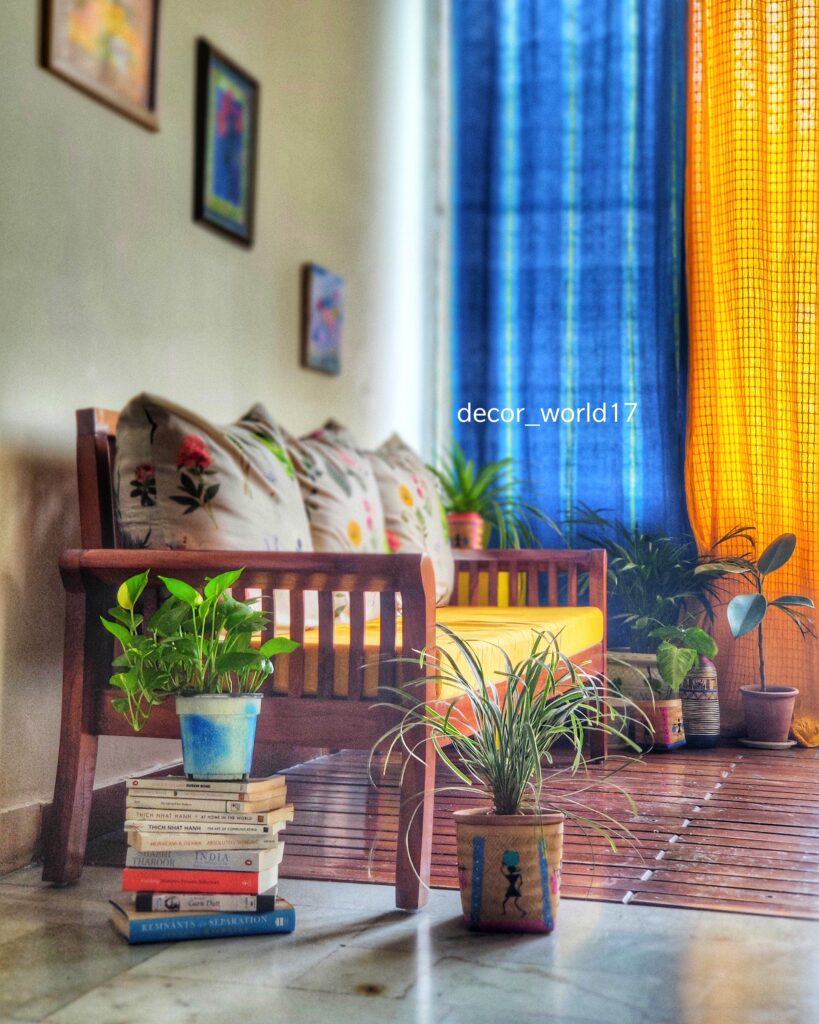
(167, 842)
(197, 827)
(205, 860)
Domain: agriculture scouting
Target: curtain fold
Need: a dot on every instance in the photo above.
(752, 185)
(568, 145)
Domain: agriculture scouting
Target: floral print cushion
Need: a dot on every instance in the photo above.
(413, 514)
(182, 482)
(340, 492)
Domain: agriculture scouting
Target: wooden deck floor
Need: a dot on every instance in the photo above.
(726, 829)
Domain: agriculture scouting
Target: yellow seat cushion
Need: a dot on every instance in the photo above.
(512, 629)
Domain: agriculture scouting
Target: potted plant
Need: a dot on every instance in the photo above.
(656, 580)
(684, 661)
(768, 709)
(480, 500)
(496, 739)
(198, 646)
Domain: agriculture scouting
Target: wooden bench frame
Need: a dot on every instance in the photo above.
(91, 576)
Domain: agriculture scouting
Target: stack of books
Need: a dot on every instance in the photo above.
(203, 859)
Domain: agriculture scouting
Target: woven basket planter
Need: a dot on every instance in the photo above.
(509, 869)
(700, 706)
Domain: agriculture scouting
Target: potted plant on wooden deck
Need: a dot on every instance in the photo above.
(496, 737)
(768, 709)
(656, 580)
(479, 500)
(198, 646)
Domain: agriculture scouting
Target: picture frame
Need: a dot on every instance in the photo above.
(107, 50)
(227, 116)
(322, 319)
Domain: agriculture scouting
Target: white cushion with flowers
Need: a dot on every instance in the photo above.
(413, 515)
(182, 482)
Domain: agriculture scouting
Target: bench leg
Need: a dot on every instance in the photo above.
(415, 821)
(599, 738)
(67, 825)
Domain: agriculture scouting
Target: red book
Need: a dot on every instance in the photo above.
(169, 880)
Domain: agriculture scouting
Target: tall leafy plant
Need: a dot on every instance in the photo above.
(747, 612)
(492, 491)
(654, 579)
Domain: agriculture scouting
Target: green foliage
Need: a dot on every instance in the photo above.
(509, 736)
(492, 492)
(657, 580)
(195, 642)
(679, 650)
(747, 612)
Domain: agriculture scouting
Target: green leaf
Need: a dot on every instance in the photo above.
(745, 612)
(277, 645)
(702, 642)
(211, 493)
(169, 617)
(120, 632)
(793, 600)
(184, 591)
(191, 503)
(777, 553)
(131, 590)
(675, 663)
(217, 585)
(237, 661)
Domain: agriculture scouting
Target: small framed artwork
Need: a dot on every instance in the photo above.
(322, 319)
(108, 49)
(227, 110)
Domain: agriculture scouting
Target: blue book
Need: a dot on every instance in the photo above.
(161, 926)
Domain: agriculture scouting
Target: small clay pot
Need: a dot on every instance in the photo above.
(769, 712)
(466, 530)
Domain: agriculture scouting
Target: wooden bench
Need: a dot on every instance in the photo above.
(321, 718)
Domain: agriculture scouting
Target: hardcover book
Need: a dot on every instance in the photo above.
(171, 880)
(157, 926)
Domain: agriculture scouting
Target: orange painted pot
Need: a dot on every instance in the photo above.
(664, 729)
(466, 530)
(509, 869)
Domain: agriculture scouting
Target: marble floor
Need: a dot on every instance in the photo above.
(353, 958)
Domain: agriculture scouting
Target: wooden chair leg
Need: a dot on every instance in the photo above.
(599, 738)
(67, 825)
(415, 821)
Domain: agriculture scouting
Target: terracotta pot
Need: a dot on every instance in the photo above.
(768, 713)
(509, 869)
(466, 530)
(700, 705)
(664, 730)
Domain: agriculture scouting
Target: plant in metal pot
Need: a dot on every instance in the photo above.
(201, 647)
(768, 709)
(483, 499)
(496, 737)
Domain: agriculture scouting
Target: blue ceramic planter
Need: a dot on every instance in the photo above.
(218, 732)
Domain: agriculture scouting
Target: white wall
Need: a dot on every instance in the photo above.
(107, 287)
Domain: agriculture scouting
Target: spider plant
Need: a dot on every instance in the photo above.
(656, 579)
(492, 491)
(496, 737)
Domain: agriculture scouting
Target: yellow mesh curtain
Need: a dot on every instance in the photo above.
(752, 250)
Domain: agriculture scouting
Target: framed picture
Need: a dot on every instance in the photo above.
(107, 48)
(322, 319)
(227, 109)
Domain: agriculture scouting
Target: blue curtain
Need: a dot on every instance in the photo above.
(569, 130)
